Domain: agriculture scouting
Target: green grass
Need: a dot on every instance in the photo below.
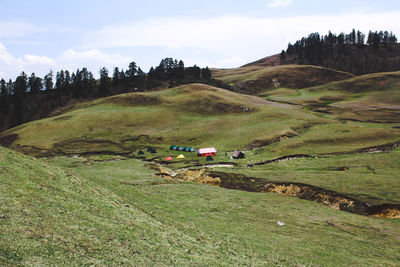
(242, 226)
(370, 97)
(105, 208)
(371, 177)
(254, 79)
(194, 115)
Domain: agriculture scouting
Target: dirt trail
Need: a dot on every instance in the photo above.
(302, 191)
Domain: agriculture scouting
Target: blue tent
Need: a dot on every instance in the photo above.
(186, 148)
(180, 148)
(191, 149)
(173, 147)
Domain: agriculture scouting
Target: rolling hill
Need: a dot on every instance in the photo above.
(63, 211)
(255, 78)
(321, 149)
(371, 97)
(196, 115)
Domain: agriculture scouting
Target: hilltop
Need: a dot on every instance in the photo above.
(194, 114)
(345, 52)
(99, 184)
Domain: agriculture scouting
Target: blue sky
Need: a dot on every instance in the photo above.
(36, 36)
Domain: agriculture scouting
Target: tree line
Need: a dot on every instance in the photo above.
(31, 97)
(354, 48)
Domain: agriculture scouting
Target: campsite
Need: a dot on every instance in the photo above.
(266, 155)
(293, 151)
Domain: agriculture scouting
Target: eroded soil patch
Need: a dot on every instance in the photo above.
(302, 191)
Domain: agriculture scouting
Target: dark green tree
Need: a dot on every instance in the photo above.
(116, 76)
(105, 83)
(206, 74)
(67, 79)
(181, 70)
(360, 38)
(60, 80)
(35, 84)
(20, 88)
(283, 55)
(132, 70)
(48, 81)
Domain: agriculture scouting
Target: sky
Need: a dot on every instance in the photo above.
(43, 35)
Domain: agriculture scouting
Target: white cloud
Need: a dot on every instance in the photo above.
(248, 38)
(38, 60)
(11, 66)
(226, 41)
(92, 59)
(280, 3)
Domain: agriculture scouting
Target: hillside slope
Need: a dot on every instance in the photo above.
(120, 213)
(254, 78)
(354, 59)
(191, 115)
(196, 115)
(50, 217)
(371, 97)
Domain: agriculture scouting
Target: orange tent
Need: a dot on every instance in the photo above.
(168, 158)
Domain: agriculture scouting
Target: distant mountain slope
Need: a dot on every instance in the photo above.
(369, 97)
(194, 115)
(257, 77)
(350, 58)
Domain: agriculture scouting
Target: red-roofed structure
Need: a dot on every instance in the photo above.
(204, 152)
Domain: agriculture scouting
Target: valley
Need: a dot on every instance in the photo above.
(321, 155)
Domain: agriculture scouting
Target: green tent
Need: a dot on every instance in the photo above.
(209, 158)
(140, 152)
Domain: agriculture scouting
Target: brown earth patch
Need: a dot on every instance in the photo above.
(332, 98)
(303, 191)
(63, 118)
(213, 104)
(307, 192)
(133, 100)
(7, 140)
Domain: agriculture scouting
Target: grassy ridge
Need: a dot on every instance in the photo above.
(111, 210)
(255, 78)
(195, 115)
(371, 97)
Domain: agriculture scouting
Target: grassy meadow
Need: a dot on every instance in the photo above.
(61, 211)
(87, 198)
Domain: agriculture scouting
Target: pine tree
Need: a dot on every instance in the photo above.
(20, 88)
(48, 81)
(283, 56)
(116, 76)
(132, 70)
(104, 88)
(206, 74)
